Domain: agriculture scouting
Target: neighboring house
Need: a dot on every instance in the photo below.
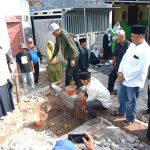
(85, 18)
(15, 24)
(130, 12)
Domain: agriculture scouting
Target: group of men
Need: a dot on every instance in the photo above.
(131, 62)
(28, 64)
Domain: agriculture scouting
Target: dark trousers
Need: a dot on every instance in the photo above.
(72, 72)
(36, 73)
(112, 79)
(92, 107)
(107, 53)
(148, 102)
(148, 130)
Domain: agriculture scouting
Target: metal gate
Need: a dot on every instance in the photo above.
(91, 25)
(84, 23)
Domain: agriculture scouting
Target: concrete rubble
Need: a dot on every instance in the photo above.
(106, 135)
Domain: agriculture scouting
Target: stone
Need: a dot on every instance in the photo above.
(131, 139)
(114, 146)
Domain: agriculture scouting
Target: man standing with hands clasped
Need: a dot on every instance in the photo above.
(70, 52)
(132, 73)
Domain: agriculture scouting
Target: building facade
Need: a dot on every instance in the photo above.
(131, 12)
(15, 24)
(83, 18)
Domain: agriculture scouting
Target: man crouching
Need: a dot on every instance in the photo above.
(98, 96)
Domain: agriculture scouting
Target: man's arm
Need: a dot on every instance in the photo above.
(30, 61)
(40, 56)
(32, 66)
(56, 49)
(18, 66)
(18, 69)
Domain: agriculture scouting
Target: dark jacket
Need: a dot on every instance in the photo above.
(93, 59)
(83, 59)
(120, 51)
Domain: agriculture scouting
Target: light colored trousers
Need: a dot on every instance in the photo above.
(27, 77)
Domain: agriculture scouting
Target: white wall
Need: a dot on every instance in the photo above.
(4, 38)
(12, 8)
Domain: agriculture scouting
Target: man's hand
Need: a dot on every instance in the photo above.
(72, 63)
(90, 142)
(33, 71)
(40, 61)
(53, 63)
(19, 74)
(121, 77)
(81, 94)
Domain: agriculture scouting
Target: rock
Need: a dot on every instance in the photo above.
(123, 141)
(131, 139)
(114, 146)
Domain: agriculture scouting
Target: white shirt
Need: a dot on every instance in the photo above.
(4, 71)
(134, 65)
(96, 91)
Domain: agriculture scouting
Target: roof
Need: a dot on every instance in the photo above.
(127, 1)
(35, 2)
(55, 4)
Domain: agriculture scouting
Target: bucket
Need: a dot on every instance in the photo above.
(83, 100)
(70, 91)
(40, 118)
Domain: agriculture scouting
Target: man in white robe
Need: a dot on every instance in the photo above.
(132, 73)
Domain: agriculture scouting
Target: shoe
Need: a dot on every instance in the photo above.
(127, 123)
(3, 117)
(147, 111)
(93, 121)
(115, 92)
(117, 113)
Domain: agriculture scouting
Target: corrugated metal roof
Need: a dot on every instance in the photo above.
(55, 4)
(128, 1)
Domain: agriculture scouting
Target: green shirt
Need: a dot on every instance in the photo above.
(68, 46)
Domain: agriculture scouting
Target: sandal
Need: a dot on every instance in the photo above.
(127, 123)
(117, 113)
